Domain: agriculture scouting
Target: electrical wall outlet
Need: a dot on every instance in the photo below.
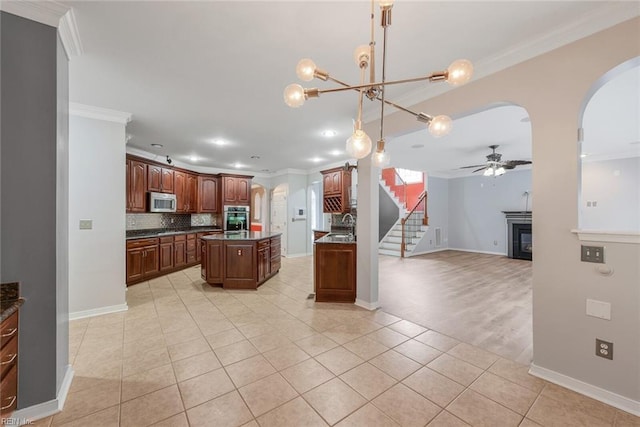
(592, 254)
(86, 224)
(604, 349)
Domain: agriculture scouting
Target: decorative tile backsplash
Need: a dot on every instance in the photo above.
(148, 221)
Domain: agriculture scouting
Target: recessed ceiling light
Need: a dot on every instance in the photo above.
(329, 133)
(218, 141)
(193, 158)
(336, 153)
(417, 146)
(157, 145)
(237, 165)
(316, 159)
(255, 157)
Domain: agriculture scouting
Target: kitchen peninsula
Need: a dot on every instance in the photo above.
(240, 259)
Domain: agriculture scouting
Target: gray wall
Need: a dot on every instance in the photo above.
(388, 213)
(476, 221)
(615, 186)
(28, 196)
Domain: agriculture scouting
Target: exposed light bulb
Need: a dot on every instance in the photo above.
(358, 144)
(488, 171)
(380, 159)
(500, 171)
(459, 72)
(440, 125)
(294, 95)
(362, 55)
(306, 69)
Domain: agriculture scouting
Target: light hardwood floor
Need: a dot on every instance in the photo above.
(480, 299)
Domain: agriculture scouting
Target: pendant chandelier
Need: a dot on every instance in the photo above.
(359, 143)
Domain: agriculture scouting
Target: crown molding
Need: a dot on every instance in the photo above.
(608, 15)
(49, 13)
(91, 112)
(70, 35)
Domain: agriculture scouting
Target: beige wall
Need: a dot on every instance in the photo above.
(552, 87)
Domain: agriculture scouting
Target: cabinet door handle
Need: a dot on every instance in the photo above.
(13, 399)
(10, 333)
(13, 357)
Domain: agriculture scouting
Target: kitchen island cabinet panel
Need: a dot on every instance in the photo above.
(212, 265)
(240, 265)
(335, 271)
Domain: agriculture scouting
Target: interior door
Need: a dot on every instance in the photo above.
(279, 214)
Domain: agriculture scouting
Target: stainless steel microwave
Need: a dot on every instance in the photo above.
(162, 202)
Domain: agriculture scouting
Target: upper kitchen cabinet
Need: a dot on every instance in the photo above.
(180, 190)
(208, 194)
(191, 193)
(336, 191)
(136, 186)
(236, 190)
(160, 179)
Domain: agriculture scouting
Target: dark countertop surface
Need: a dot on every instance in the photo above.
(162, 232)
(10, 299)
(241, 235)
(337, 238)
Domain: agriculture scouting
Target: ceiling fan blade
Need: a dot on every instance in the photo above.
(515, 163)
(478, 170)
(474, 166)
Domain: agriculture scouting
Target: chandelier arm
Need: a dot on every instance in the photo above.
(372, 47)
(382, 91)
(431, 77)
(360, 96)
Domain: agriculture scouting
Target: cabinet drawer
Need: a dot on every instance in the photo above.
(191, 236)
(180, 237)
(132, 244)
(191, 245)
(166, 239)
(8, 356)
(9, 392)
(191, 257)
(275, 264)
(8, 329)
(263, 244)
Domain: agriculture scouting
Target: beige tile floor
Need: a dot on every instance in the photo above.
(187, 354)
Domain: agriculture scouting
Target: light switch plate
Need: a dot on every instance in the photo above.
(592, 254)
(599, 309)
(86, 224)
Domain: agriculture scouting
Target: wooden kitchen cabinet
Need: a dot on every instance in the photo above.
(208, 194)
(212, 270)
(240, 265)
(142, 259)
(191, 193)
(180, 190)
(160, 179)
(335, 272)
(275, 251)
(191, 248)
(8, 365)
(166, 253)
(236, 190)
(136, 186)
(336, 190)
(180, 251)
(264, 260)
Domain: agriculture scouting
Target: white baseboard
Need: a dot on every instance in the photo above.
(605, 396)
(98, 311)
(478, 252)
(26, 415)
(427, 252)
(368, 305)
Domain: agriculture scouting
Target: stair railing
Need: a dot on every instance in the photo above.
(403, 221)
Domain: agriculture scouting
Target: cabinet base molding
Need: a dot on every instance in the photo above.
(46, 409)
(98, 311)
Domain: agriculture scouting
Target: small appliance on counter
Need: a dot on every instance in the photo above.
(162, 202)
(236, 218)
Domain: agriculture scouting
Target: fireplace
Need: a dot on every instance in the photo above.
(519, 235)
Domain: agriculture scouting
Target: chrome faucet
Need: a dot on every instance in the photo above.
(351, 224)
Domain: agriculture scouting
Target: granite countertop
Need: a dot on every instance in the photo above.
(161, 232)
(10, 299)
(337, 238)
(241, 235)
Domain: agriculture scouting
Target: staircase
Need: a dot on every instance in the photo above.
(414, 232)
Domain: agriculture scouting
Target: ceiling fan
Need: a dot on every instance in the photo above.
(495, 166)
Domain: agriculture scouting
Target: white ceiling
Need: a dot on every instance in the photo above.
(191, 72)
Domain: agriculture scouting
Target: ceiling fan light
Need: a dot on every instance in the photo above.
(500, 171)
(459, 72)
(488, 171)
(440, 125)
(358, 144)
(294, 95)
(306, 69)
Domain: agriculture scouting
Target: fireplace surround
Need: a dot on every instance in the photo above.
(519, 234)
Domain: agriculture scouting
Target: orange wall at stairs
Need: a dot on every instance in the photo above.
(413, 191)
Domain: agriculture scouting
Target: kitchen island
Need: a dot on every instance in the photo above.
(240, 259)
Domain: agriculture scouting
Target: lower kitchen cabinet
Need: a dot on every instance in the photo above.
(142, 259)
(166, 253)
(180, 251)
(9, 365)
(335, 272)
